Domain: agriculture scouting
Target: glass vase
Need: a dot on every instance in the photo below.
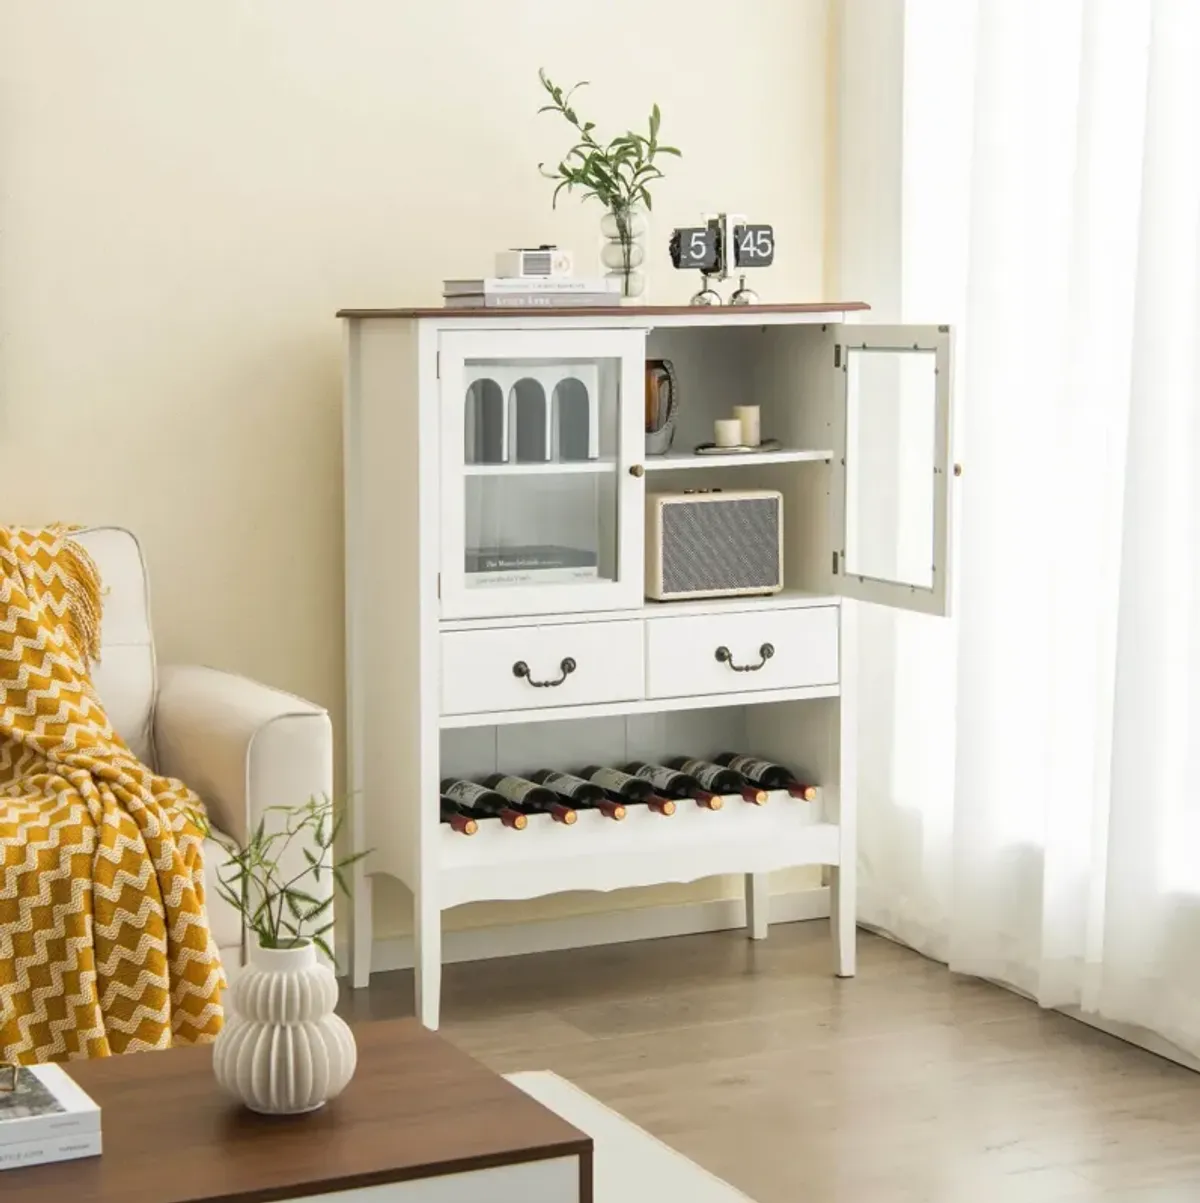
(624, 251)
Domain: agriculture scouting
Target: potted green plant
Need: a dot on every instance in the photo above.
(284, 985)
(618, 174)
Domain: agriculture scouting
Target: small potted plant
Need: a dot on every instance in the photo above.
(618, 174)
(282, 1050)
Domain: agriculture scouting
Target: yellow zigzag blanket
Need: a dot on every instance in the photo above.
(104, 943)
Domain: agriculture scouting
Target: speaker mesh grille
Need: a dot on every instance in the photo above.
(716, 545)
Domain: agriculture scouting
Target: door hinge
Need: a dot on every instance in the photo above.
(837, 355)
(835, 563)
(437, 359)
(439, 586)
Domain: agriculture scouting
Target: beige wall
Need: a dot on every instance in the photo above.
(188, 190)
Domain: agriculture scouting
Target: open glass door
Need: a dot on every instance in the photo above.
(891, 496)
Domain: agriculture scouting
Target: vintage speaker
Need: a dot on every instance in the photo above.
(713, 544)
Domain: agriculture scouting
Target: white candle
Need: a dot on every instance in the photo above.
(728, 432)
(750, 418)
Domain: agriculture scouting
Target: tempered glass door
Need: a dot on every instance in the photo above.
(540, 511)
(891, 494)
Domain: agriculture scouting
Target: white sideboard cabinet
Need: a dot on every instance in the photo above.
(496, 478)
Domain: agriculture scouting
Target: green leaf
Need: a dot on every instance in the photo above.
(655, 121)
(293, 905)
(324, 947)
(320, 908)
(670, 150)
(646, 200)
(341, 881)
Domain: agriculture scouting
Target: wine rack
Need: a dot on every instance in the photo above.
(497, 622)
(643, 849)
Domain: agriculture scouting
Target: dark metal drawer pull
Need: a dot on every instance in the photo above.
(567, 667)
(725, 656)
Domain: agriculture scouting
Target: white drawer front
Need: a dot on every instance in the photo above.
(478, 676)
(681, 653)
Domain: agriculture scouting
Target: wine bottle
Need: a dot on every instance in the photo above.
(633, 789)
(530, 797)
(673, 784)
(584, 795)
(481, 803)
(719, 779)
(768, 774)
(460, 822)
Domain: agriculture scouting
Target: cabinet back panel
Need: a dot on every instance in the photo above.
(570, 745)
(804, 736)
(712, 369)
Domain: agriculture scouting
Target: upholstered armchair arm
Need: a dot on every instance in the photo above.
(242, 747)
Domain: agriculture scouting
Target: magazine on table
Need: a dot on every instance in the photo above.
(44, 1116)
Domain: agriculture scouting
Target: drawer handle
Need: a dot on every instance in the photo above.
(725, 656)
(567, 667)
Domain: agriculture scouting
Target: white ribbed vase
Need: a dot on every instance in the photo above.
(282, 1050)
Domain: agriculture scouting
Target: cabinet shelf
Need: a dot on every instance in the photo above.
(709, 701)
(644, 849)
(682, 460)
(541, 468)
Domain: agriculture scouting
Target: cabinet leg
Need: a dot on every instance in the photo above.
(427, 962)
(758, 903)
(842, 919)
(361, 934)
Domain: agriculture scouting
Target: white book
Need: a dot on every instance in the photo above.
(532, 576)
(47, 1105)
(521, 284)
(514, 300)
(54, 1148)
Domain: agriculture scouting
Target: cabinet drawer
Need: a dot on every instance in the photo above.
(478, 666)
(682, 653)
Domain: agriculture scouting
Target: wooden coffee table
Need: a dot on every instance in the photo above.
(420, 1123)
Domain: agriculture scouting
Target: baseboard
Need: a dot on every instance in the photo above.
(607, 927)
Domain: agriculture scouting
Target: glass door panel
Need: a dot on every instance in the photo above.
(891, 498)
(540, 528)
(537, 514)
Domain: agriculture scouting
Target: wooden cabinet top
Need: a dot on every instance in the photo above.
(716, 315)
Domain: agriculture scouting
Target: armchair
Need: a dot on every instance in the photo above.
(240, 745)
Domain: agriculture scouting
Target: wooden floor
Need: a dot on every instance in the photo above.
(904, 1084)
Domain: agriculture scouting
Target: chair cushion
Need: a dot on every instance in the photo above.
(124, 676)
(223, 920)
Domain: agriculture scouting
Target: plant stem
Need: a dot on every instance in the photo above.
(623, 218)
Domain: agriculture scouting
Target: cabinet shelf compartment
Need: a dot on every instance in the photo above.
(643, 849)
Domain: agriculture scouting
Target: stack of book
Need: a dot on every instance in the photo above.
(44, 1117)
(541, 563)
(533, 292)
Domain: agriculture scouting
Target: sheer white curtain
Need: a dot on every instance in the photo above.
(1030, 793)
